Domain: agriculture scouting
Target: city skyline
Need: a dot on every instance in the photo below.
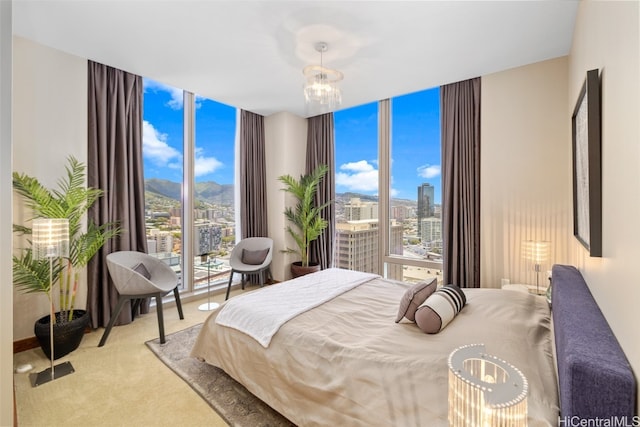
(415, 142)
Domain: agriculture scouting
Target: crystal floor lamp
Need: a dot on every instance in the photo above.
(50, 240)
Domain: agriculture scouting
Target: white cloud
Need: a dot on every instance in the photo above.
(177, 95)
(156, 148)
(205, 165)
(176, 102)
(358, 176)
(428, 171)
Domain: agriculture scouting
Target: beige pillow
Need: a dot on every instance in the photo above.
(440, 309)
(413, 297)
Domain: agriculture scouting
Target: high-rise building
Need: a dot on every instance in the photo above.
(163, 239)
(207, 237)
(357, 210)
(357, 247)
(431, 229)
(426, 206)
(400, 212)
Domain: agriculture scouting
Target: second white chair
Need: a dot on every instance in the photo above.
(251, 256)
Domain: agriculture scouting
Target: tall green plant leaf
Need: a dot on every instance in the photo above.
(304, 216)
(71, 199)
(32, 275)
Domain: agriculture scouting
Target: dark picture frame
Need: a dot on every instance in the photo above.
(587, 169)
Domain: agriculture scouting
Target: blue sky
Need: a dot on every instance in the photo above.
(163, 134)
(415, 141)
(415, 146)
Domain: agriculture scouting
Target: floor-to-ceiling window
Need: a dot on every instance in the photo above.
(393, 146)
(214, 211)
(356, 158)
(162, 146)
(414, 188)
(209, 167)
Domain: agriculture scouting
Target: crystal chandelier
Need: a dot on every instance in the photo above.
(321, 91)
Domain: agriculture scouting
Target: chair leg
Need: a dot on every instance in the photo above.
(176, 295)
(261, 274)
(134, 308)
(242, 280)
(229, 286)
(160, 317)
(114, 316)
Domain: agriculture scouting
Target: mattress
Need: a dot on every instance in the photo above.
(346, 362)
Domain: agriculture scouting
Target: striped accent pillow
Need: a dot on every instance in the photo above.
(440, 309)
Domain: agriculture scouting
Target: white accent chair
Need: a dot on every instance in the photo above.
(252, 245)
(154, 279)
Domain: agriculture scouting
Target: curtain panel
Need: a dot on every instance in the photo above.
(321, 150)
(115, 166)
(253, 186)
(460, 109)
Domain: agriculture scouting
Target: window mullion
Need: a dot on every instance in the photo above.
(188, 191)
(384, 173)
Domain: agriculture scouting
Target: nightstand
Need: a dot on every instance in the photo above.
(526, 288)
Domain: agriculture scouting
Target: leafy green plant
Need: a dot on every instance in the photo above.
(71, 200)
(305, 216)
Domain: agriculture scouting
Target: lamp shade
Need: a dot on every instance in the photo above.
(50, 238)
(536, 251)
(485, 390)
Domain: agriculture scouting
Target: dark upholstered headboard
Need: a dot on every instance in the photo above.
(595, 378)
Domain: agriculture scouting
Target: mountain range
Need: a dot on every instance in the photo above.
(208, 191)
(162, 190)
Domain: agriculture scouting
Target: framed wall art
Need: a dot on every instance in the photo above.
(587, 175)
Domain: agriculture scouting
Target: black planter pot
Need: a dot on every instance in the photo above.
(66, 335)
(298, 270)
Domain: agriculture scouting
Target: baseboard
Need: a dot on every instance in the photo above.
(25, 344)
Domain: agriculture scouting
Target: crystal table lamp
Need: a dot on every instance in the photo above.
(485, 390)
(537, 252)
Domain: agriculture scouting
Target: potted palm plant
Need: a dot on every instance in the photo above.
(71, 200)
(306, 220)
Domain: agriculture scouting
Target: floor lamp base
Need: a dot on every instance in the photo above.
(208, 306)
(45, 376)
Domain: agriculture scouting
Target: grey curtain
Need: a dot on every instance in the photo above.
(460, 109)
(253, 187)
(115, 166)
(320, 150)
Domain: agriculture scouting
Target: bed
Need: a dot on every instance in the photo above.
(346, 362)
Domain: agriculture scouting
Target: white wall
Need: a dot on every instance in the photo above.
(49, 124)
(607, 37)
(6, 287)
(525, 169)
(286, 142)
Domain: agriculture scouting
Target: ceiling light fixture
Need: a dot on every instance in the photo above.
(321, 91)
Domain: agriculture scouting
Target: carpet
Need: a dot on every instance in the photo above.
(230, 399)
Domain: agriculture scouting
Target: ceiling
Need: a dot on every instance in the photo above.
(250, 54)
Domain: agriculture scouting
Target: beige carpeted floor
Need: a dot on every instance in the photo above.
(120, 384)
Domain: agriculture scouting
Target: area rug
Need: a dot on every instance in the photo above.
(232, 401)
